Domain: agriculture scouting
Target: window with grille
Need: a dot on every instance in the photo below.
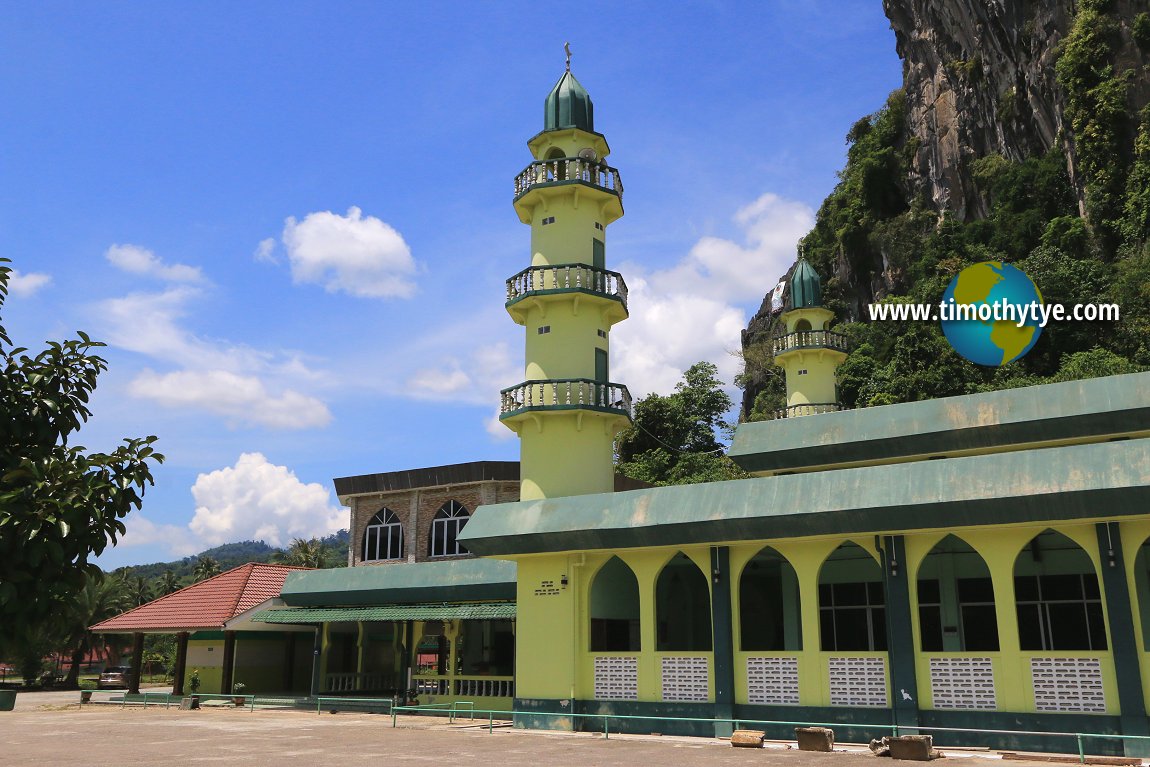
(449, 520)
(383, 538)
(1060, 612)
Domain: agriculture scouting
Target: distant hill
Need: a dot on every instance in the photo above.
(231, 555)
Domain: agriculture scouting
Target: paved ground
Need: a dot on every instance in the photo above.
(51, 729)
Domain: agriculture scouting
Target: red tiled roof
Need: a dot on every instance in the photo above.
(204, 605)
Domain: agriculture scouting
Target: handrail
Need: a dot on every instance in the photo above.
(566, 170)
(808, 339)
(562, 277)
(736, 723)
(807, 408)
(565, 393)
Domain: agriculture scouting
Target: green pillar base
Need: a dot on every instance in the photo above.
(724, 729)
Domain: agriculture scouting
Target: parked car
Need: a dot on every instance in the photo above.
(115, 677)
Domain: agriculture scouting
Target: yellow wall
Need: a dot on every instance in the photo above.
(553, 658)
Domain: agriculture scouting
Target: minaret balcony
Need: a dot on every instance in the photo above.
(543, 283)
(808, 408)
(565, 394)
(809, 339)
(562, 172)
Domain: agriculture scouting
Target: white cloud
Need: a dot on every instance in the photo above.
(137, 260)
(361, 256)
(244, 385)
(669, 332)
(241, 399)
(258, 500)
(730, 271)
(141, 531)
(695, 309)
(20, 284)
(476, 378)
(265, 251)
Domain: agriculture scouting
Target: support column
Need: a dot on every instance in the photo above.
(181, 663)
(137, 662)
(1124, 644)
(408, 653)
(360, 646)
(899, 637)
(723, 650)
(229, 662)
(317, 660)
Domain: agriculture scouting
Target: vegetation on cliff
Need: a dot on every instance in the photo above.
(877, 229)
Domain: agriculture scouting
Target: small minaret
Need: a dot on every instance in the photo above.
(808, 350)
(567, 412)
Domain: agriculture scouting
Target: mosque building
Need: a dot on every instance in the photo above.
(970, 562)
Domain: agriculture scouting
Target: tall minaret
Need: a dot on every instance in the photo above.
(808, 350)
(566, 412)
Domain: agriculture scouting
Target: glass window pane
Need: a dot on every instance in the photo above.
(975, 590)
(1026, 588)
(851, 632)
(1097, 626)
(928, 592)
(1059, 587)
(1029, 628)
(1068, 626)
(849, 594)
(930, 621)
(979, 628)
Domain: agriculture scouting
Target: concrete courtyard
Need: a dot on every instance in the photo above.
(52, 729)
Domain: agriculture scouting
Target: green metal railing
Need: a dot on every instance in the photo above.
(736, 724)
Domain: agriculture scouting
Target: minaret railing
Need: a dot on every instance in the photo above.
(564, 394)
(567, 277)
(808, 408)
(566, 170)
(809, 339)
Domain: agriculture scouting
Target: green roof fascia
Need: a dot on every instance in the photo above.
(1089, 409)
(555, 408)
(474, 611)
(450, 581)
(1109, 479)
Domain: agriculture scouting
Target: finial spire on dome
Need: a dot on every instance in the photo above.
(567, 48)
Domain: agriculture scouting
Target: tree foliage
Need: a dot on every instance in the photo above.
(674, 440)
(59, 503)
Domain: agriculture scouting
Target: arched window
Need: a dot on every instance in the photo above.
(682, 607)
(445, 527)
(1056, 593)
(383, 538)
(956, 600)
(852, 603)
(769, 616)
(615, 608)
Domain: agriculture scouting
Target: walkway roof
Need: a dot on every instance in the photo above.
(395, 584)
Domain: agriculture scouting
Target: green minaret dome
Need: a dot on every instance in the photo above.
(568, 105)
(806, 287)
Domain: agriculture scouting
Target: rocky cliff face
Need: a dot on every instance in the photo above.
(980, 79)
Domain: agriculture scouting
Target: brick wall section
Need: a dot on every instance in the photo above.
(416, 509)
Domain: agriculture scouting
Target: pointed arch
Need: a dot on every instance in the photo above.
(852, 601)
(682, 607)
(445, 527)
(383, 537)
(1142, 589)
(956, 611)
(770, 617)
(614, 608)
(1057, 596)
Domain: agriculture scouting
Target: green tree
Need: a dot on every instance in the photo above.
(205, 568)
(101, 598)
(674, 440)
(59, 503)
(168, 583)
(306, 553)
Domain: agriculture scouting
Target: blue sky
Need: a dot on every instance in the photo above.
(292, 221)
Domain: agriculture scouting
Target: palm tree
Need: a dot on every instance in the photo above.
(139, 590)
(168, 583)
(101, 598)
(303, 553)
(205, 568)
